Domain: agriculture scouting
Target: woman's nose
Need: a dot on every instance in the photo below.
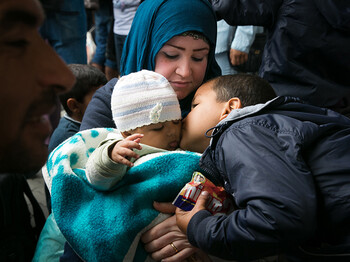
(184, 68)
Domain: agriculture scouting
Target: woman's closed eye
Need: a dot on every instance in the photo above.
(170, 56)
(197, 59)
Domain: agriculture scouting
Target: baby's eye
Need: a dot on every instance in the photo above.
(158, 128)
(194, 105)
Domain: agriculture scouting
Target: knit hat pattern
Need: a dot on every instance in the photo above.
(143, 98)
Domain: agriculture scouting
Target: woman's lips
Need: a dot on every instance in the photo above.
(180, 84)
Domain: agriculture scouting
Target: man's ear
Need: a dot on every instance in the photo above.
(233, 103)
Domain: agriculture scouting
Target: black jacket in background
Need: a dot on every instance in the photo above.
(307, 53)
(18, 237)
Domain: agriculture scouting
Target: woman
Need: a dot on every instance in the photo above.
(176, 39)
(167, 37)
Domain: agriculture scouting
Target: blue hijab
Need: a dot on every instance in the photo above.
(157, 21)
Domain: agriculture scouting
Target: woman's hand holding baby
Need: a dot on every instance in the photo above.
(122, 151)
(166, 242)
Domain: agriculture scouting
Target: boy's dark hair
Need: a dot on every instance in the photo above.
(250, 89)
(88, 78)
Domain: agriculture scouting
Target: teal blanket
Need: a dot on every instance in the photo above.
(106, 225)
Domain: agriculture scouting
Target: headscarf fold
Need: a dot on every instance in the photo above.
(157, 21)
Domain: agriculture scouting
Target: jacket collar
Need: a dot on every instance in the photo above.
(250, 110)
(244, 112)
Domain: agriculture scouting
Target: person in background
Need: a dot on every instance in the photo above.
(34, 93)
(25, 103)
(65, 28)
(306, 53)
(103, 24)
(112, 68)
(233, 45)
(286, 165)
(75, 102)
(123, 12)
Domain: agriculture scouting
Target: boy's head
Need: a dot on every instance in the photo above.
(215, 99)
(144, 102)
(88, 80)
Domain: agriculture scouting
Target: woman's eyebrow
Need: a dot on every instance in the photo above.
(177, 47)
(195, 50)
(201, 49)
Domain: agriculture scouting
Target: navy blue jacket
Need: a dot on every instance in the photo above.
(65, 129)
(307, 52)
(99, 113)
(287, 166)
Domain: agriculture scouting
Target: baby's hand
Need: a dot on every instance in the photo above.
(122, 151)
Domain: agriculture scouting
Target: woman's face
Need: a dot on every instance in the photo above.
(183, 61)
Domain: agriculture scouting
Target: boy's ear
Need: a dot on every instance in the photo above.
(233, 103)
(73, 105)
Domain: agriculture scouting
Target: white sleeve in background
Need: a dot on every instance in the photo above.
(244, 37)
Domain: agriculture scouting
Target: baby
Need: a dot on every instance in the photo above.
(127, 169)
(147, 113)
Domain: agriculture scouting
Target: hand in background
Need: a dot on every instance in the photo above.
(238, 57)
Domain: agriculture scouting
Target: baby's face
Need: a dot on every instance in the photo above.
(165, 135)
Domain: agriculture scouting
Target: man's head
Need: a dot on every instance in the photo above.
(88, 80)
(215, 99)
(31, 76)
(145, 102)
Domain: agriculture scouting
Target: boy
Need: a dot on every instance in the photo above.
(287, 166)
(74, 102)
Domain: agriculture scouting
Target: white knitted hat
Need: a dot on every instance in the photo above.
(143, 98)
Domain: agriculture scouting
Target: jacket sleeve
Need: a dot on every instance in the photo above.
(98, 113)
(271, 185)
(247, 12)
(244, 38)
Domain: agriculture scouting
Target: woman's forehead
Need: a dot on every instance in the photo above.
(186, 42)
